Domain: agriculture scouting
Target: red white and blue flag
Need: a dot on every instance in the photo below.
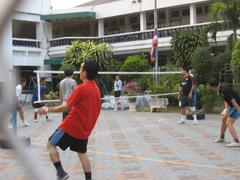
(153, 49)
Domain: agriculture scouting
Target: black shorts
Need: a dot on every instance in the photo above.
(117, 93)
(186, 102)
(37, 105)
(63, 140)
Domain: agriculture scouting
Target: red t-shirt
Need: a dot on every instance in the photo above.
(85, 104)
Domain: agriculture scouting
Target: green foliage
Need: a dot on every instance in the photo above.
(79, 52)
(202, 62)
(235, 63)
(184, 44)
(137, 63)
(221, 59)
(209, 98)
(228, 12)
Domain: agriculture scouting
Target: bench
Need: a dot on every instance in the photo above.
(160, 103)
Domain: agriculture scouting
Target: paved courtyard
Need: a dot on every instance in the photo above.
(134, 145)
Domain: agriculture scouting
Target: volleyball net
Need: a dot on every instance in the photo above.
(134, 84)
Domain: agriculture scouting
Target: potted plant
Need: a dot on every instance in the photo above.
(132, 88)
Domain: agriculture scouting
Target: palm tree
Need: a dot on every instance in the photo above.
(226, 16)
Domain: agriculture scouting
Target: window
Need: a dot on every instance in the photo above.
(105, 24)
(175, 13)
(162, 16)
(133, 20)
(199, 10)
(113, 23)
(185, 12)
(206, 9)
(121, 22)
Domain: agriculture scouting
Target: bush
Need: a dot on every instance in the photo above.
(221, 59)
(137, 63)
(202, 63)
(235, 64)
(209, 98)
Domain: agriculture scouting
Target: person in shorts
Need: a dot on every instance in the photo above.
(19, 103)
(231, 112)
(84, 105)
(36, 105)
(117, 91)
(67, 85)
(187, 88)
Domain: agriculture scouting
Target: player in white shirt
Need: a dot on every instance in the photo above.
(19, 103)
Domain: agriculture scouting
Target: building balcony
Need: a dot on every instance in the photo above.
(21, 42)
(131, 42)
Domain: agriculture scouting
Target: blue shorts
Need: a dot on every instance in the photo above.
(234, 114)
(186, 102)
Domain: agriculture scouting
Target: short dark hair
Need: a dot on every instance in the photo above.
(42, 79)
(213, 82)
(185, 69)
(92, 68)
(68, 72)
(23, 80)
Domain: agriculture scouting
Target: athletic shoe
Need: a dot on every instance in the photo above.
(36, 121)
(47, 119)
(64, 176)
(219, 140)
(25, 123)
(10, 126)
(233, 144)
(115, 110)
(195, 122)
(181, 122)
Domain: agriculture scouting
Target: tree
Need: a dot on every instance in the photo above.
(202, 62)
(184, 44)
(235, 63)
(226, 16)
(79, 52)
(137, 63)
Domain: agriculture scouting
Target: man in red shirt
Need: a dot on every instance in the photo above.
(84, 104)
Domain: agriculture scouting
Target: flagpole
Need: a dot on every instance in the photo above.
(156, 54)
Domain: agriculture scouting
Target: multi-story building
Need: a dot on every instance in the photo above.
(37, 36)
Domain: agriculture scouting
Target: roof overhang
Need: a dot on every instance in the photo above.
(64, 16)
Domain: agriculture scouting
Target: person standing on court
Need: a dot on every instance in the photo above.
(67, 85)
(231, 112)
(187, 88)
(117, 91)
(84, 105)
(36, 104)
(19, 103)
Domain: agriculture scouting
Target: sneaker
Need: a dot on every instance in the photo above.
(115, 110)
(195, 122)
(181, 122)
(35, 120)
(25, 123)
(233, 144)
(219, 140)
(47, 119)
(62, 177)
(10, 126)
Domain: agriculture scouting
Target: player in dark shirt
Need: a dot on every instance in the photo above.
(231, 112)
(187, 88)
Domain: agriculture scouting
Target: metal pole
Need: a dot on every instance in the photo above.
(155, 27)
(38, 86)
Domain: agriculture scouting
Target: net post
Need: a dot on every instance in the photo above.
(38, 83)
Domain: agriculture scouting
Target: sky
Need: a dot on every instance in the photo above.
(63, 4)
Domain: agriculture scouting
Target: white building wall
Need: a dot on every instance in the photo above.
(30, 10)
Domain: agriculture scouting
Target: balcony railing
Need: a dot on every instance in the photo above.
(127, 37)
(20, 42)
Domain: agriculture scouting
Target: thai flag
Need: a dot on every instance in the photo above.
(153, 49)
